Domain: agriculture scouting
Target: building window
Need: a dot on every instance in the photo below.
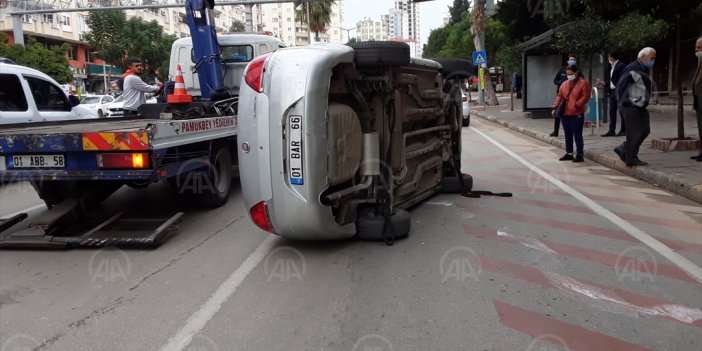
(47, 18)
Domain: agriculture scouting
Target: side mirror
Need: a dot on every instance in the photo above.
(73, 100)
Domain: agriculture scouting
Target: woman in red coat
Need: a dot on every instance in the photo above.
(576, 92)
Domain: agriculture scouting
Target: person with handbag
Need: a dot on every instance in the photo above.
(561, 77)
(570, 104)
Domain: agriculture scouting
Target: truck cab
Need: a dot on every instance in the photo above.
(28, 96)
(237, 50)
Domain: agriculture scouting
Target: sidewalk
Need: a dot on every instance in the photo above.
(673, 171)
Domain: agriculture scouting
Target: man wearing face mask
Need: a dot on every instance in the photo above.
(610, 85)
(697, 93)
(634, 95)
(561, 77)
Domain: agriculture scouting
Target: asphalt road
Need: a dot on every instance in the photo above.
(581, 258)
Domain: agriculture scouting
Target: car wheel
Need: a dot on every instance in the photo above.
(452, 184)
(378, 53)
(371, 227)
(100, 114)
(466, 121)
(455, 68)
(218, 180)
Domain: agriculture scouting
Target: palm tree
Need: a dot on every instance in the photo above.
(317, 15)
(477, 29)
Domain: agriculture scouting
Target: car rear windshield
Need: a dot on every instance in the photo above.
(91, 100)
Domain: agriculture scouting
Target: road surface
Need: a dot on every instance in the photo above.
(581, 257)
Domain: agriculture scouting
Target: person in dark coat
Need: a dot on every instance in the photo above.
(634, 95)
(697, 93)
(610, 85)
(561, 77)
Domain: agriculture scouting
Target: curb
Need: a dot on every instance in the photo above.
(666, 181)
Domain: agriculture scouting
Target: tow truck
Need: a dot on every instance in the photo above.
(76, 164)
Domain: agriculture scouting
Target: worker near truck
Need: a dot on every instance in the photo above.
(135, 88)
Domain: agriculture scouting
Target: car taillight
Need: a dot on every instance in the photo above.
(124, 161)
(259, 215)
(254, 72)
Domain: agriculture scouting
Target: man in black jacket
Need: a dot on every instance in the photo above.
(561, 77)
(610, 85)
(634, 95)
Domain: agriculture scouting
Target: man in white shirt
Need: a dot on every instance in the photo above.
(611, 87)
(135, 88)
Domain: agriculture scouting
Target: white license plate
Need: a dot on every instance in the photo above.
(295, 153)
(37, 161)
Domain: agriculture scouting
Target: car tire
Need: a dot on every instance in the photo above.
(370, 227)
(379, 53)
(100, 114)
(452, 184)
(455, 68)
(466, 121)
(219, 178)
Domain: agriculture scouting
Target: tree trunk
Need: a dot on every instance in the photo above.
(478, 32)
(678, 83)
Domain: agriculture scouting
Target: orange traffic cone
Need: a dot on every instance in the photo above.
(180, 94)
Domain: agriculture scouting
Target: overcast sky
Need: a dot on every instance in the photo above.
(431, 13)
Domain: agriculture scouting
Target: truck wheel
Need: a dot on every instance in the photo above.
(54, 192)
(378, 53)
(217, 180)
(370, 227)
(455, 68)
(452, 184)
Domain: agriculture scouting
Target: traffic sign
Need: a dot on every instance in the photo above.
(479, 57)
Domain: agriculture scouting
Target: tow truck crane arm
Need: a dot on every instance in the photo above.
(206, 50)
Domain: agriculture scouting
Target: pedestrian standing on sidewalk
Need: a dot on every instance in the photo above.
(697, 94)
(610, 84)
(576, 92)
(561, 77)
(634, 95)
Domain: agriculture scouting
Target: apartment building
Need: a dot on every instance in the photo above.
(281, 20)
(367, 29)
(401, 23)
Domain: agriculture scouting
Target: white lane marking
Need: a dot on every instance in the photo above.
(203, 315)
(682, 262)
(616, 177)
(29, 209)
(438, 203)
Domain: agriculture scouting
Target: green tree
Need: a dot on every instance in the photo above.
(352, 40)
(237, 26)
(636, 31)
(459, 9)
(135, 38)
(317, 15)
(584, 39)
(51, 61)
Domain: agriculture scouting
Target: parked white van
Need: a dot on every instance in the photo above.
(237, 51)
(28, 95)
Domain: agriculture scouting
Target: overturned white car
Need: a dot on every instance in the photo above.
(336, 141)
